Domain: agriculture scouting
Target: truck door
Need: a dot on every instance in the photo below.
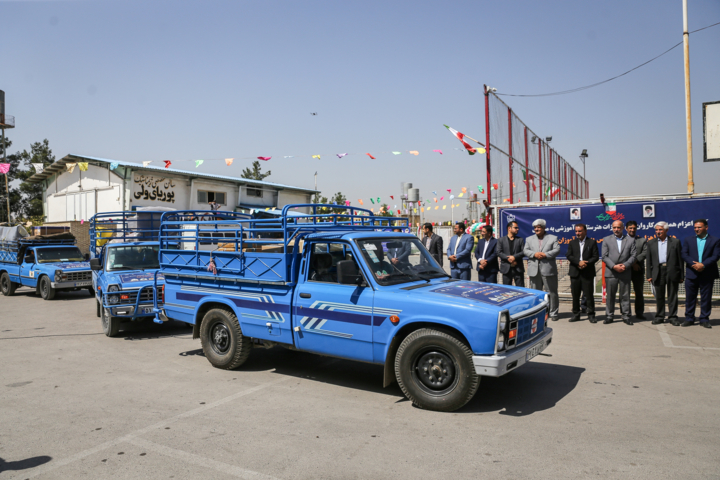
(28, 274)
(330, 318)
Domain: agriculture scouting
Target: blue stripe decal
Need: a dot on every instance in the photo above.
(189, 297)
(334, 315)
(265, 306)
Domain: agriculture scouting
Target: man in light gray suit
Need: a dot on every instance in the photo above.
(618, 253)
(541, 250)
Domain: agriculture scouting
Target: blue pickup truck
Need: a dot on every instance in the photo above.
(124, 260)
(48, 263)
(340, 284)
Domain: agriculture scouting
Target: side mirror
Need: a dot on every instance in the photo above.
(87, 257)
(347, 273)
(95, 264)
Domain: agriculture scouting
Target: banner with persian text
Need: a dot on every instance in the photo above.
(561, 219)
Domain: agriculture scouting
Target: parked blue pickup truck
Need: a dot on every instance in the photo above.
(124, 260)
(339, 284)
(48, 263)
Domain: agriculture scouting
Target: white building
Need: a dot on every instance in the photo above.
(78, 195)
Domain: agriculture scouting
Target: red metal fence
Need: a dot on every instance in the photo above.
(521, 166)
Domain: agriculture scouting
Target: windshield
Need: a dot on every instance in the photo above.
(136, 257)
(52, 255)
(399, 260)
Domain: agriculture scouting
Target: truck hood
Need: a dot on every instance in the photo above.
(133, 278)
(488, 296)
(68, 266)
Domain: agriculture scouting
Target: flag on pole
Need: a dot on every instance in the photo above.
(460, 136)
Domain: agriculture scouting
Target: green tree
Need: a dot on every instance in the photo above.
(256, 172)
(25, 198)
(337, 199)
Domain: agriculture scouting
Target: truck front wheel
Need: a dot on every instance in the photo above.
(435, 370)
(110, 324)
(7, 286)
(222, 339)
(47, 292)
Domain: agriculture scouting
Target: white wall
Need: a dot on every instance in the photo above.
(74, 195)
(269, 198)
(286, 197)
(230, 190)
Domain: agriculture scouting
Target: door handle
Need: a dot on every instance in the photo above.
(305, 295)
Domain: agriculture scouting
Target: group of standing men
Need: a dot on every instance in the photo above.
(629, 260)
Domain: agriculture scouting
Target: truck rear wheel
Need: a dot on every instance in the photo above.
(222, 339)
(110, 324)
(7, 286)
(47, 292)
(435, 370)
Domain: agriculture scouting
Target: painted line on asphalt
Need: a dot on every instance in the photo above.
(200, 461)
(667, 341)
(49, 467)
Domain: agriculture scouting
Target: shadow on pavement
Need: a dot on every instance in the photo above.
(532, 388)
(31, 462)
(59, 296)
(148, 330)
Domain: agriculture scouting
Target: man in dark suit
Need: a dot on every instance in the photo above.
(637, 271)
(664, 266)
(399, 253)
(459, 253)
(433, 243)
(486, 255)
(510, 250)
(701, 254)
(583, 254)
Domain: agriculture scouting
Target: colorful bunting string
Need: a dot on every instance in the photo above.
(4, 168)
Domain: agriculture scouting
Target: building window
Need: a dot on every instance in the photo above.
(207, 197)
(254, 192)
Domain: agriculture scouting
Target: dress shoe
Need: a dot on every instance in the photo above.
(706, 324)
(607, 321)
(575, 318)
(627, 321)
(674, 321)
(658, 321)
(640, 317)
(687, 324)
(591, 318)
(554, 319)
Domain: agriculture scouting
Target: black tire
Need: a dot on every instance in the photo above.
(110, 324)
(222, 340)
(91, 290)
(47, 292)
(99, 308)
(7, 286)
(435, 370)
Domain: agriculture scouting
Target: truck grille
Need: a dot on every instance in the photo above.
(146, 296)
(526, 331)
(79, 276)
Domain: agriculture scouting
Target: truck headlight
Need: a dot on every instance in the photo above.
(58, 276)
(503, 322)
(113, 299)
(113, 288)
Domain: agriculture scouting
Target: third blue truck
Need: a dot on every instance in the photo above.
(340, 284)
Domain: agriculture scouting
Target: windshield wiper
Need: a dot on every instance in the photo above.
(433, 272)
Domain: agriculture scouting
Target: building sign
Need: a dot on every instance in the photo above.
(151, 188)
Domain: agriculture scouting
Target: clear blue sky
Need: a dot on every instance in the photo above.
(174, 80)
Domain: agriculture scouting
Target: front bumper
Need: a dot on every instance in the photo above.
(502, 363)
(78, 284)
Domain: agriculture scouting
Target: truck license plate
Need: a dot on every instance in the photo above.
(83, 284)
(534, 351)
(147, 309)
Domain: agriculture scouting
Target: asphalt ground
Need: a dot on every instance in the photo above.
(613, 401)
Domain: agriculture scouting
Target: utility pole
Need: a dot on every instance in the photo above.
(688, 121)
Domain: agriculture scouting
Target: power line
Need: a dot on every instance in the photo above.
(578, 89)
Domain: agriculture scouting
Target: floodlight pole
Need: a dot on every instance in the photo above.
(688, 121)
